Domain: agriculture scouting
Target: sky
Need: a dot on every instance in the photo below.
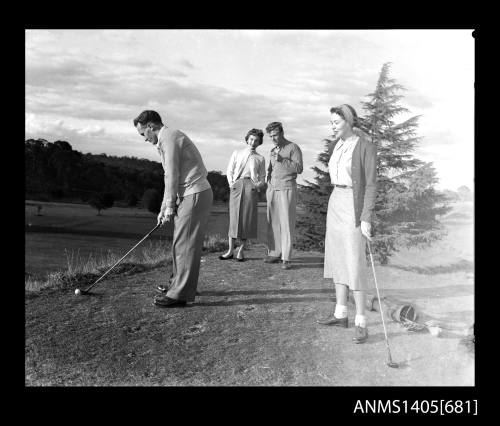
(87, 86)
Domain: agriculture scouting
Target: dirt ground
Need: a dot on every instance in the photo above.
(252, 324)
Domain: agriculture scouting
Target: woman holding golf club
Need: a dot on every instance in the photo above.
(353, 174)
(246, 174)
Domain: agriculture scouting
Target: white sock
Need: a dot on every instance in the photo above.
(360, 320)
(340, 311)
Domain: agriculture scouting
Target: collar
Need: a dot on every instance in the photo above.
(347, 142)
(350, 138)
(160, 133)
(280, 147)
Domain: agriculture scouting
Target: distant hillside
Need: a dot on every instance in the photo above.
(54, 171)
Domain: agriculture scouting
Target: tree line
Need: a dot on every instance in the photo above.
(54, 171)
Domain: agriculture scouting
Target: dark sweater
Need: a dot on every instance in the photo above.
(364, 178)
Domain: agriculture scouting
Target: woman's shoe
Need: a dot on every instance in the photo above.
(333, 320)
(221, 257)
(240, 259)
(360, 334)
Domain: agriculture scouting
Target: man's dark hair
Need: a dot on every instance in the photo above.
(255, 132)
(147, 116)
(273, 126)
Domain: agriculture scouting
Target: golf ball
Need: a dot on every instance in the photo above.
(77, 291)
(435, 331)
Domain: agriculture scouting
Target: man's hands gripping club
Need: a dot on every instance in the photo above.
(166, 215)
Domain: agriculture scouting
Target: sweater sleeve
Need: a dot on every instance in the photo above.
(370, 169)
(230, 168)
(171, 159)
(294, 163)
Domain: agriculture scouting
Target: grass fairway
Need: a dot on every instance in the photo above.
(74, 231)
(46, 252)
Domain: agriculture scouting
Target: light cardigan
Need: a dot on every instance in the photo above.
(250, 165)
(185, 173)
(364, 177)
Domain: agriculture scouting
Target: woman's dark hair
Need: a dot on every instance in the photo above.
(338, 111)
(147, 116)
(255, 132)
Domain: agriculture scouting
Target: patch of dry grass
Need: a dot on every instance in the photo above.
(78, 269)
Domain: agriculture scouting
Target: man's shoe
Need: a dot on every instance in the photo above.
(225, 258)
(168, 302)
(286, 265)
(333, 320)
(360, 334)
(272, 259)
(163, 289)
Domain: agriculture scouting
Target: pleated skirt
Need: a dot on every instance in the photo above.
(243, 200)
(345, 259)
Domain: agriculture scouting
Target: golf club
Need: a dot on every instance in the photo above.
(390, 363)
(77, 291)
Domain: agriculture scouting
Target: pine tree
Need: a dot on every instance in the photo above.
(313, 201)
(407, 206)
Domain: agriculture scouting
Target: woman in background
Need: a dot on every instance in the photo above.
(353, 174)
(246, 175)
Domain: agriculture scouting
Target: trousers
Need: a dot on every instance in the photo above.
(190, 225)
(281, 217)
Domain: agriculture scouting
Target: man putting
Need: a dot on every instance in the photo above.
(187, 202)
(284, 166)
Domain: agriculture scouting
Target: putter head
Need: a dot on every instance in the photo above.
(391, 363)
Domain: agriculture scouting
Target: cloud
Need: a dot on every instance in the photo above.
(57, 128)
(86, 86)
(186, 63)
(58, 74)
(415, 100)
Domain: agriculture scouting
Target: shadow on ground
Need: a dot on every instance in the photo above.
(462, 265)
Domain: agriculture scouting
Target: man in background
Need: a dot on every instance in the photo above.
(284, 166)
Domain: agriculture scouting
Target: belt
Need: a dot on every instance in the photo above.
(341, 186)
(242, 178)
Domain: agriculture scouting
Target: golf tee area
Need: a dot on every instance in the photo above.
(252, 324)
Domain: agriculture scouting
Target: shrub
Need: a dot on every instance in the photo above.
(101, 201)
(132, 200)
